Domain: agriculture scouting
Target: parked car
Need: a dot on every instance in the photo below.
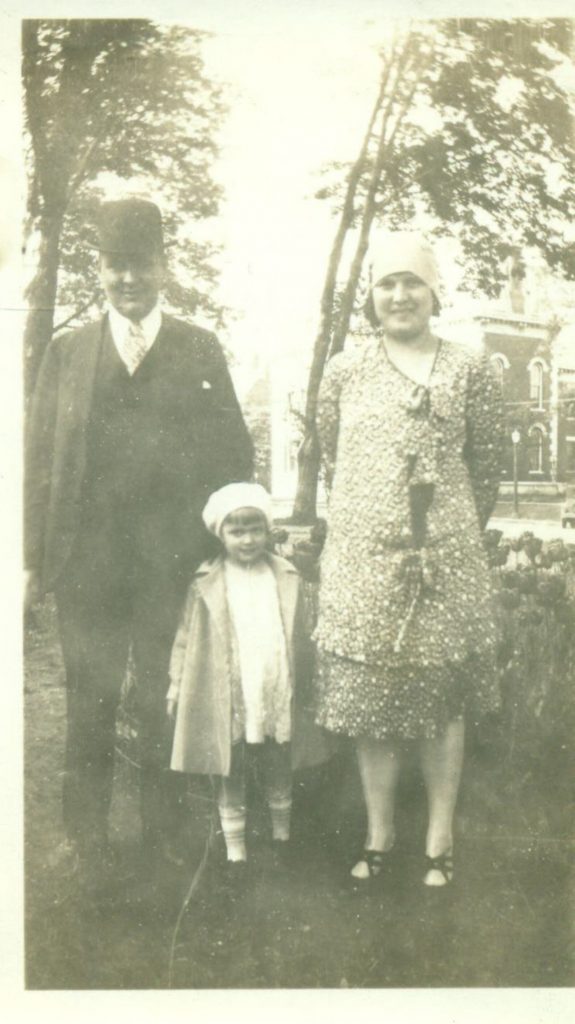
(568, 515)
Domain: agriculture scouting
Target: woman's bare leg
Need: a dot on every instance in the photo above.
(441, 762)
(379, 766)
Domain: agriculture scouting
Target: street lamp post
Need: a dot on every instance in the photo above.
(515, 437)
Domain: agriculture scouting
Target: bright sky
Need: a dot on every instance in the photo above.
(293, 109)
(299, 81)
(300, 78)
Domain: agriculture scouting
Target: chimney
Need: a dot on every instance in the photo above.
(513, 290)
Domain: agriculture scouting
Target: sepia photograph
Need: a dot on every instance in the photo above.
(297, 358)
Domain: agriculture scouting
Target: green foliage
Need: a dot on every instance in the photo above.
(532, 737)
(124, 103)
(485, 149)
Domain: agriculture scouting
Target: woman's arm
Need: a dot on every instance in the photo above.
(485, 426)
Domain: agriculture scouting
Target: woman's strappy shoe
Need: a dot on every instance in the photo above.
(376, 861)
(444, 864)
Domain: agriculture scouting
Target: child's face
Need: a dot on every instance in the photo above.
(244, 535)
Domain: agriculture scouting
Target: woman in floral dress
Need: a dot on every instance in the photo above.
(411, 430)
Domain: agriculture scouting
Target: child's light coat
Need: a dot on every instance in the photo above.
(203, 664)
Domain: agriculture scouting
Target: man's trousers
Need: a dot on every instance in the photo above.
(108, 602)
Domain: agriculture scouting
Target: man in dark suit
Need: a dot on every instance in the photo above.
(134, 422)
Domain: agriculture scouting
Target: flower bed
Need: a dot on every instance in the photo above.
(533, 737)
(535, 588)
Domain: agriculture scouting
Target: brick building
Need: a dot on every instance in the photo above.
(535, 362)
(564, 350)
(520, 351)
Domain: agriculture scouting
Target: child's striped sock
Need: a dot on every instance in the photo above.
(280, 811)
(233, 821)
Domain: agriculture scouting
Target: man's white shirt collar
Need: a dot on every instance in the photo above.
(120, 325)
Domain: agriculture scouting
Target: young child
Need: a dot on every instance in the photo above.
(241, 668)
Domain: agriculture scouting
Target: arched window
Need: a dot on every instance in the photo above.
(535, 449)
(536, 382)
(500, 363)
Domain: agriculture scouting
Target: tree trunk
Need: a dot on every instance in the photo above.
(41, 297)
(392, 117)
(304, 509)
(395, 93)
(308, 457)
(56, 140)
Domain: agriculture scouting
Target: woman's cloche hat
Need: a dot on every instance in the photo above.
(404, 252)
(232, 497)
(129, 226)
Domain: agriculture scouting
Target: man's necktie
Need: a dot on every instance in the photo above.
(135, 347)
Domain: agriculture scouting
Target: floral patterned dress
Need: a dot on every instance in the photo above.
(406, 634)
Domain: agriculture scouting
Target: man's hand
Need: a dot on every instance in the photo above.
(171, 708)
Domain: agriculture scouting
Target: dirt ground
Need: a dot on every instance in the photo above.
(506, 921)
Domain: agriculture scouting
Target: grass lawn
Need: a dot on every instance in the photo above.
(507, 921)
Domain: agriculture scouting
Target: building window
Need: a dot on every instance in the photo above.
(499, 363)
(535, 449)
(570, 454)
(536, 383)
(571, 411)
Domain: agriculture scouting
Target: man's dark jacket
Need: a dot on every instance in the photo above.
(211, 446)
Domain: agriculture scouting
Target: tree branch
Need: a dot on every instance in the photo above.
(384, 146)
(77, 312)
(79, 174)
(321, 345)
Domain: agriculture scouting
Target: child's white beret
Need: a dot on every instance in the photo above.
(232, 497)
